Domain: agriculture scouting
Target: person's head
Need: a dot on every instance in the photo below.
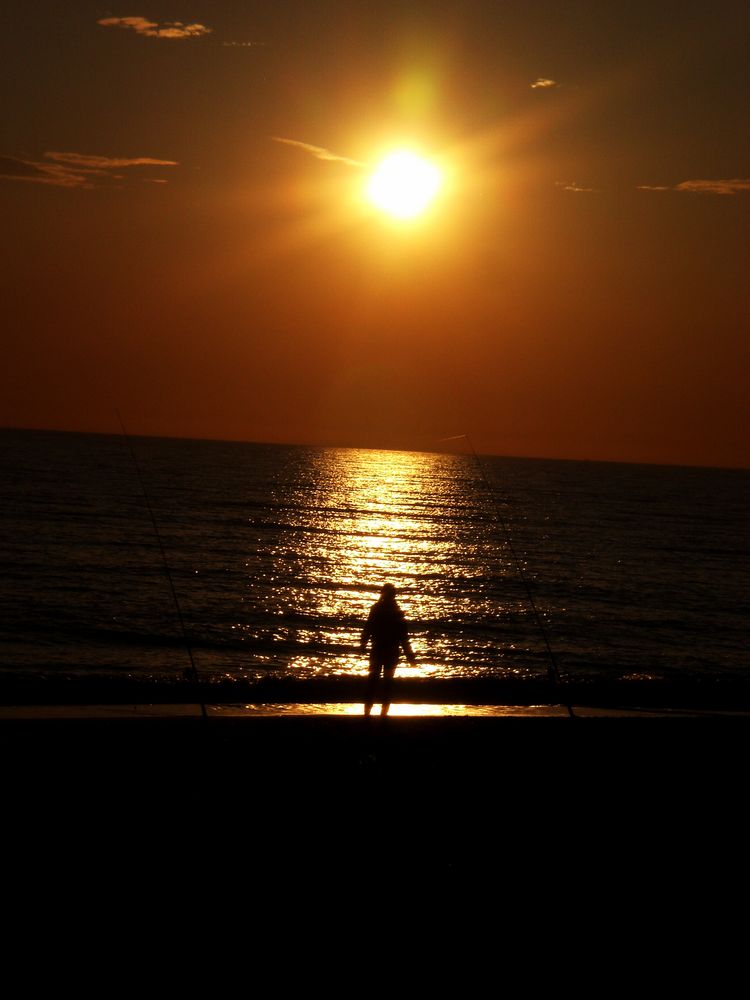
(388, 592)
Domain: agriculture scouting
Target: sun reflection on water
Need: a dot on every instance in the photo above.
(398, 710)
(381, 540)
(354, 520)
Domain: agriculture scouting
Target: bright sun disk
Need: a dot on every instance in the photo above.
(403, 184)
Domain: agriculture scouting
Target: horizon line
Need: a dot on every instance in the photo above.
(354, 447)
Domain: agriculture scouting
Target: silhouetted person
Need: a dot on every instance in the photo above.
(386, 627)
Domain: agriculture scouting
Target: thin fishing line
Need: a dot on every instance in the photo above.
(552, 668)
(193, 674)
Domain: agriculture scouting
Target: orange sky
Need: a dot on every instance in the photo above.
(578, 290)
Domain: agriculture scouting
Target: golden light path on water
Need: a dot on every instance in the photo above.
(397, 710)
(378, 536)
(362, 518)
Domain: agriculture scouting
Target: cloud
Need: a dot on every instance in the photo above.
(573, 186)
(96, 163)
(244, 45)
(19, 169)
(73, 170)
(319, 152)
(723, 187)
(41, 172)
(541, 83)
(152, 29)
(715, 187)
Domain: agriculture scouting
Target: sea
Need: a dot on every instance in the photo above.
(124, 557)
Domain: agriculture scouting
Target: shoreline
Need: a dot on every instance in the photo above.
(291, 759)
(403, 711)
(723, 694)
(281, 775)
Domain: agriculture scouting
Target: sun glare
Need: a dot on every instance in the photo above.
(403, 184)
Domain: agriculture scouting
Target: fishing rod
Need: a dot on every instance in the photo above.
(552, 669)
(192, 673)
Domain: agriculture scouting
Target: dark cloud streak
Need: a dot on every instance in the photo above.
(19, 169)
(736, 185)
(152, 29)
(72, 170)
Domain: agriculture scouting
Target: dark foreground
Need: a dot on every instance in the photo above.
(469, 793)
(657, 748)
(308, 776)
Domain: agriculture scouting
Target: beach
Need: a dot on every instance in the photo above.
(268, 791)
(283, 745)
(403, 787)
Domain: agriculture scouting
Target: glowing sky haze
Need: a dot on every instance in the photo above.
(187, 234)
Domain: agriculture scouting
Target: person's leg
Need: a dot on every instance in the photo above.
(372, 683)
(389, 669)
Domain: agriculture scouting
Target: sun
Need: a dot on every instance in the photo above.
(403, 184)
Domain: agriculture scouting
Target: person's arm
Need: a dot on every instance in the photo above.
(406, 645)
(366, 634)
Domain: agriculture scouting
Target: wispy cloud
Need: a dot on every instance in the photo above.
(17, 169)
(573, 186)
(318, 152)
(46, 172)
(152, 29)
(542, 83)
(724, 187)
(245, 45)
(108, 162)
(716, 187)
(73, 170)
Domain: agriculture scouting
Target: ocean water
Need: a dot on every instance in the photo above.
(277, 552)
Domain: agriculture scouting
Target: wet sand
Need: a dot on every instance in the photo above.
(285, 762)
(721, 694)
(314, 765)
(155, 801)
